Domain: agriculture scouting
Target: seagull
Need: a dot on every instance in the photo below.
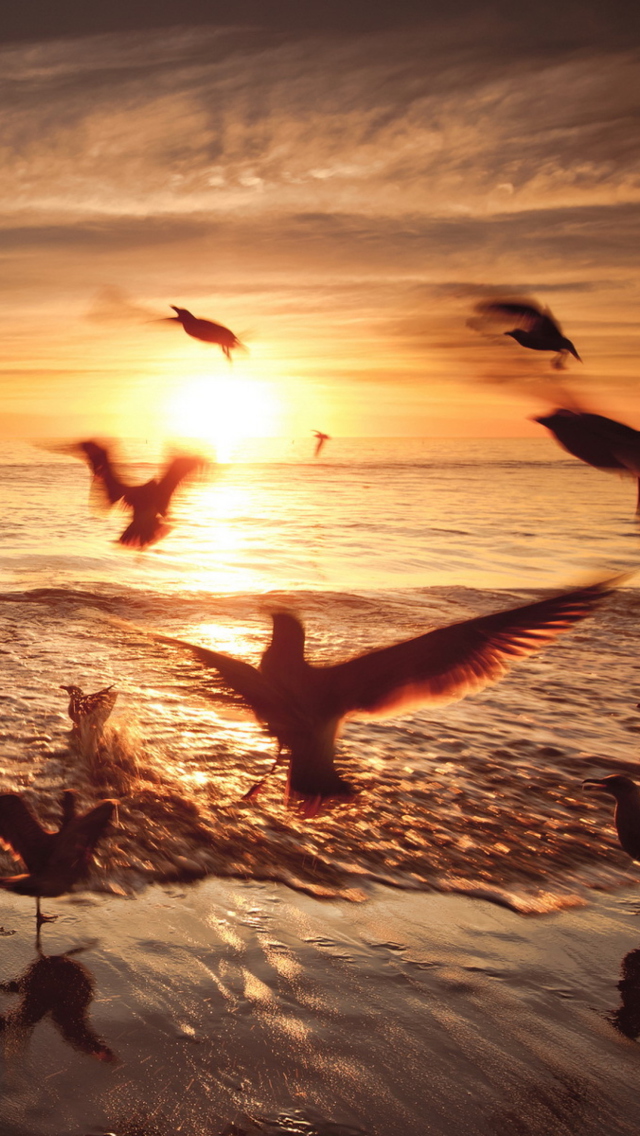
(62, 988)
(303, 706)
(320, 441)
(55, 861)
(627, 811)
(598, 441)
(535, 327)
(206, 330)
(149, 502)
(90, 709)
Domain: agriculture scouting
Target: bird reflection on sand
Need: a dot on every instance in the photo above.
(149, 502)
(530, 326)
(55, 860)
(303, 706)
(62, 988)
(598, 441)
(206, 330)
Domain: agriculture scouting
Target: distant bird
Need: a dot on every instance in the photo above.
(206, 330)
(534, 327)
(149, 502)
(90, 709)
(62, 988)
(627, 811)
(55, 860)
(303, 706)
(598, 441)
(320, 441)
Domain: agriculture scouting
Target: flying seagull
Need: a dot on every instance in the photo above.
(90, 709)
(55, 861)
(149, 502)
(206, 330)
(303, 706)
(531, 326)
(627, 811)
(320, 441)
(598, 441)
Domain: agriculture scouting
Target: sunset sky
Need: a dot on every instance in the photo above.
(337, 185)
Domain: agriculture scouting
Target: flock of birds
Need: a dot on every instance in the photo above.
(302, 705)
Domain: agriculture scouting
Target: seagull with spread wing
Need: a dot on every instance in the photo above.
(55, 861)
(206, 330)
(532, 327)
(303, 706)
(598, 441)
(149, 502)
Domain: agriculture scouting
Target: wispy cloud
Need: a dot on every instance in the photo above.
(328, 191)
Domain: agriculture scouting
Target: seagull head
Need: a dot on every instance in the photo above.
(617, 785)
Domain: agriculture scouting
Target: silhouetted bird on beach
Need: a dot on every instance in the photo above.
(533, 327)
(626, 1018)
(62, 988)
(598, 441)
(627, 811)
(206, 330)
(303, 706)
(90, 709)
(149, 502)
(55, 860)
(320, 441)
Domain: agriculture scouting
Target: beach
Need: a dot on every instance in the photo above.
(439, 955)
(251, 1006)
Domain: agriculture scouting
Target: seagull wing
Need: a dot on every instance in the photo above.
(77, 840)
(97, 457)
(517, 313)
(452, 661)
(177, 470)
(239, 677)
(22, 832)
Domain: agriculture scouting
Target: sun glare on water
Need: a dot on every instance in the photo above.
(223, 411)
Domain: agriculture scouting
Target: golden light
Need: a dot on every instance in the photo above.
(223, 411)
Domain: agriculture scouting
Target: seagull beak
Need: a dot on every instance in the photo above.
(594, 784)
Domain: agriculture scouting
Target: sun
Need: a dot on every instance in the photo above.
(223, 411)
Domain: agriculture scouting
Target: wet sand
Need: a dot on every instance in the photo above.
(238, 1007)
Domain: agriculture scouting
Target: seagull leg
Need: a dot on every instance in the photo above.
(255, 789)
(40, 918)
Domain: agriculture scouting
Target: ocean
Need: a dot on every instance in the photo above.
(376, 541)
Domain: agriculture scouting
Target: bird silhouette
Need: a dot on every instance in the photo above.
(598, 441)
(533, 327)
(63, 988)
(320, 441)
(303, 706)
(55, 861)
(149, 502)
(627, 811)
(206, 330)
(626, 1018)
(90, 709)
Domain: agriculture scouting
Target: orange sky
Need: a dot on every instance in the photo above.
(340, 201)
